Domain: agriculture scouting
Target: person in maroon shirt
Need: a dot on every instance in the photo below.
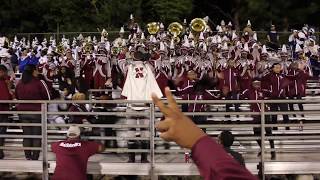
(254, 92)
(184, 83)
(72, 155)
(87, 69)
(199, 91)
(276, 84)
(209, 156)
(30, 87)
(245, 76)
(297, 86)
(229, 78)
(4, 95)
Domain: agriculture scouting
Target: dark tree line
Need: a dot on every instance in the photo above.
(88, 15)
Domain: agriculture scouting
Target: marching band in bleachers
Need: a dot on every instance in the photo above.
(196, 61)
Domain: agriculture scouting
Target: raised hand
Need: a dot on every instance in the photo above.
(176, 126)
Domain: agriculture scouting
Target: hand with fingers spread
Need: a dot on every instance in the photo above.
(176, 127)
(211, 159)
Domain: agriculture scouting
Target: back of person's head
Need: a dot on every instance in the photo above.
(304, 177)
(106, 97)
(27, 74)
(3, 68)
(73, 132)
(226, 139)
(79, 96)
(3, 71)
(55, 94)
(81, 85)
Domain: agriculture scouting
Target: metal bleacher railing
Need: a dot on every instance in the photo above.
(296, 148)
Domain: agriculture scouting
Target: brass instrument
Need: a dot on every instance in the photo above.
(115, 50)
(198, 25)
(153, 28)
(175, 29)
(104, 33)
(88, 47)
(60, 49)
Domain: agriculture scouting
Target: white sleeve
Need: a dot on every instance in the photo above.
(46, 88)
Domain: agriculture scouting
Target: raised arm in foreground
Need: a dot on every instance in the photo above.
(211, 159)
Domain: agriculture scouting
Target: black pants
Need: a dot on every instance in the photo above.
(3, 129)
(108, 131)
(257, 130)
(232, 96)
(200, 120)
(279, 107)
(300, 105)
(31, 130)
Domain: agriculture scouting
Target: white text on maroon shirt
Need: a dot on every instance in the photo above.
(69, 145)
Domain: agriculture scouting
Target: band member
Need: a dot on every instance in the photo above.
(276, 85)
(87, 64)
(199, 90)
(254, 92)
(230, 89)
(162, 68)
(102, 70)
(69, 60)
(49, 70)
(139, 84)
(297, 86)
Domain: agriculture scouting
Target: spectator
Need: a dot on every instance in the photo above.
(53, 107)
(4, 95)
(66, 81)
(31, 88)
(75, 107)
(273, 38)
(111, 119)
(81, 86)
(226, 139)
(27, 58)
(72, 155)
(14, 59)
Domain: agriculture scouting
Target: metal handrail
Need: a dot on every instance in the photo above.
(266, 101)
(146, 126)
(153, 113)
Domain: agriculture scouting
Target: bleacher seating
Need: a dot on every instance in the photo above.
(297, 149)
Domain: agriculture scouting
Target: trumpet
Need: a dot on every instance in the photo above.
(61, 49)
(175, 29)
(153, 28)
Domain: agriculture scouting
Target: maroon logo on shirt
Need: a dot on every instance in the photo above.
(139, 72)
